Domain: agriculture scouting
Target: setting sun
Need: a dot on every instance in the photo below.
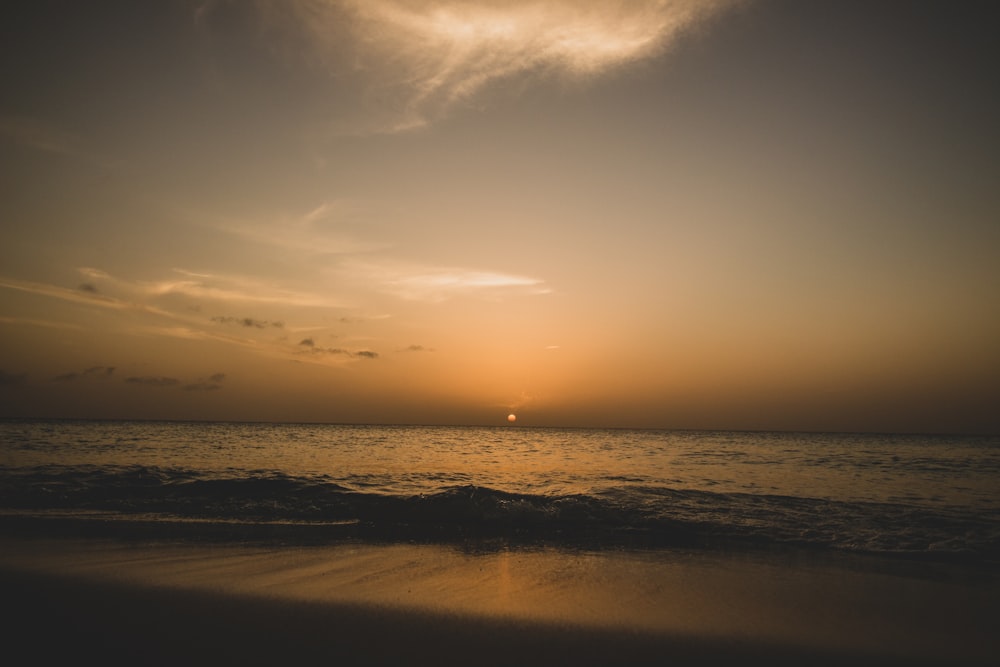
(512, 418)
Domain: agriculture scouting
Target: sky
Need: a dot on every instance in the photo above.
(704, 214)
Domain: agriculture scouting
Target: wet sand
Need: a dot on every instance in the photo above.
(131, 603)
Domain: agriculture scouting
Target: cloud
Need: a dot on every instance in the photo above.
(524, 399)
(323, 230)
(83, 296)
(197, 285)
(89, 297)
(153, 381)
(12, 379)
(441, 284)
(309, 347)
(249, 322)
(231, 288)
(49, 138)
(176, 318)
(27, 321)
(418, 348)
(212, 383)
(421, 58)
(202, 386)
(435, 284)
(92, 372)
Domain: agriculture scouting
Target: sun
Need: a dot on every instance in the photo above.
(512, 418)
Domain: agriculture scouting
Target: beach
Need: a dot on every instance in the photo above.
(134, 602)
(205, 544)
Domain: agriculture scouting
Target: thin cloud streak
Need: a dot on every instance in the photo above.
(153, 381)
(87, 296)
(436, 284)
(31, 322)
(92, 372)
(46, 137)
(208, 286)
(308, 346)
(224, 288)
(313, 233)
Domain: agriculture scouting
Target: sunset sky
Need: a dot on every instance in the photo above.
(770, 214)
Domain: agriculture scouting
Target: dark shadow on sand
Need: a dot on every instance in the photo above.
(61, 620)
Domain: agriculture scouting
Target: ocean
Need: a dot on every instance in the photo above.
(931, 498)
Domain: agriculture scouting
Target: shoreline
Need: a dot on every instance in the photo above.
(363, 603)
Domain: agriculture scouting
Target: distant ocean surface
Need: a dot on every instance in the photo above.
(909, 496)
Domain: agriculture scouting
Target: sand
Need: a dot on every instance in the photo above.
(354, 603)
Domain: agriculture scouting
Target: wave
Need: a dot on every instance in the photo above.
(162, 502)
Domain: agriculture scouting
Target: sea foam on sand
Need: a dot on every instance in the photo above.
(359, 603)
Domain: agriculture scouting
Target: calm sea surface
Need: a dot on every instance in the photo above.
(932, 497)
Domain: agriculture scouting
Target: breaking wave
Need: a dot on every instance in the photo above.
(153, 502)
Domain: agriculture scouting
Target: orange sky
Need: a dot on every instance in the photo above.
(763, 214)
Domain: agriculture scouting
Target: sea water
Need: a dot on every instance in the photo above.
(914, 496)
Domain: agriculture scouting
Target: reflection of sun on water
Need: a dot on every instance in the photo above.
(512, 418)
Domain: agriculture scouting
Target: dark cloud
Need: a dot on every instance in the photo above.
(88, 287)
(249, 322)
(12, 379)
(213, 383)
(310, 348)
(92, 372)
(202, 386)
(418, 348)
(153, 381)
(327, 350)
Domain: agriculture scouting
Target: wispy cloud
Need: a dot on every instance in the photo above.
(321, 230)
(522, 400)
(211, 383)
(153, 381)
(89, 295)
(158, 312)
(201, 285)
(92, 372)
(46, 137)
(28, 321)
(249, 322)
(425, 56)
(232, 288)
(434, 284)
(308, 346)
